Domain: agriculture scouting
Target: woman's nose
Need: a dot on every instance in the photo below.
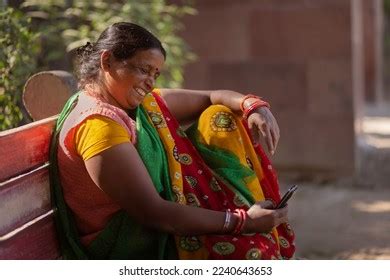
(149, 83)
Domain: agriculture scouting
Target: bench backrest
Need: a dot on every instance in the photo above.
(27, 228)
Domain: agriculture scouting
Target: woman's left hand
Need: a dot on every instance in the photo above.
(262, 122)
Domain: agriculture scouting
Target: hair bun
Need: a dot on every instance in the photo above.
(86, 50)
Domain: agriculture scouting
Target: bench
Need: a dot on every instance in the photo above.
(27, 229)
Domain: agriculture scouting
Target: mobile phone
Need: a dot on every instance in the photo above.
(286, 197)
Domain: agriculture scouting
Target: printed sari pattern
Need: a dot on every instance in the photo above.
(216, 168)
(224, 171)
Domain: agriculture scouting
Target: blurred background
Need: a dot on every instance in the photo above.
(324, 66)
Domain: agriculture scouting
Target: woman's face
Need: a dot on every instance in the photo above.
(129, 81)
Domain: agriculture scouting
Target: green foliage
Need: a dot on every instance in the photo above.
(17, 62)
(67, 25)
(64, 25)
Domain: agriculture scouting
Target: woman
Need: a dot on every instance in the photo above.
(129, 183)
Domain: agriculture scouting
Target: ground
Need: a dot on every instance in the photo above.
(348, 218)
(341, 222)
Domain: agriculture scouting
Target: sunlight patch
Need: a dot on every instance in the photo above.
(375, 207)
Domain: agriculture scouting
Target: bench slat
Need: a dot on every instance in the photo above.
(36, 242)
(23, 199)
(24, 148)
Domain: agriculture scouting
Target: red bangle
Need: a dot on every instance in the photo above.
(244, 216)
(245, 98)
(254, 106)
(240, 224)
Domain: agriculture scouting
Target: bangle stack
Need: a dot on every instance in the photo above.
(228, 219)
(253, 106)
(242, 216)
(241, 221)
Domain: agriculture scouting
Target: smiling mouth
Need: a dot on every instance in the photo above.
(140, 92)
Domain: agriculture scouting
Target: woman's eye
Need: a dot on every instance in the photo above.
(144, 71)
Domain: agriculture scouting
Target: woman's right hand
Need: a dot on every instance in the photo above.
(262, 218)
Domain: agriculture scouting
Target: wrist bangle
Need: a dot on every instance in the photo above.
(240, 224)
(242, 107)
(254, 106)
(228, 219)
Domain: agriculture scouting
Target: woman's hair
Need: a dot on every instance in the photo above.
(122, 39)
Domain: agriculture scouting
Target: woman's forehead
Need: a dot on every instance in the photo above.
(150, 56)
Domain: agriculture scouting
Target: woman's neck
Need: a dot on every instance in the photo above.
(101, 93)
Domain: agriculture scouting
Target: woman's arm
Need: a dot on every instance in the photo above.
(120, 173)
(187, 105)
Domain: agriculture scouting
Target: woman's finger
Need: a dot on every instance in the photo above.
(257, 128)
(275, 138)
(266, 204)
(255, 134)
(275, 132)
(281, 215)
(264, 121)
(268, 139)
(276, 128)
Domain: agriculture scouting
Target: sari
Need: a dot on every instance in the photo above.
(212, 165)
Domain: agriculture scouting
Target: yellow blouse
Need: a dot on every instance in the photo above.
(98, 133)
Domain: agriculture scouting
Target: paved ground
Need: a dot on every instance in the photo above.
(338, 222)
(349, 219)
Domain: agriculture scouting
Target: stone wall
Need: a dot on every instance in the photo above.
(304, 56)
(373, 50)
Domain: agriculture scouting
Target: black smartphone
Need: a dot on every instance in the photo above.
(286, 197)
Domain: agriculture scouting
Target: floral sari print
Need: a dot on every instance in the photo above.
(214, 165)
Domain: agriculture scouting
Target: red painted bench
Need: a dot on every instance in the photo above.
(27, 228)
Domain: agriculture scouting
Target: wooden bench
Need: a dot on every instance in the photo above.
(27, 228)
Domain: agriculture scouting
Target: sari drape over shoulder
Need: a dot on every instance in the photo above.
(212, 165)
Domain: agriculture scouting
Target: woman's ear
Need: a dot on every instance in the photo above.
(105, 59)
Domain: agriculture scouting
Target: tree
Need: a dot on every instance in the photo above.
(57, 27)
(19, 47)
(66, 25)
